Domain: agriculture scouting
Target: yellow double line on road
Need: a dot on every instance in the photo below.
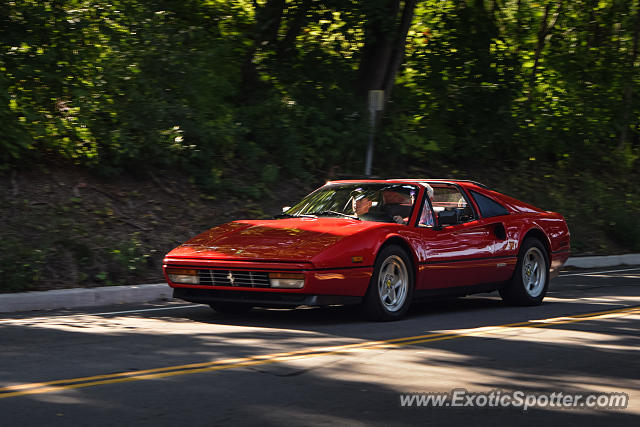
(168, 371)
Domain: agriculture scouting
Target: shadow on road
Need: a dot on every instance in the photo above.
(350, 388)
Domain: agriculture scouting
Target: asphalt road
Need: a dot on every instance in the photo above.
(183, 364)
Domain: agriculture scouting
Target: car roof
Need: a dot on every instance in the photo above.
(410, 181)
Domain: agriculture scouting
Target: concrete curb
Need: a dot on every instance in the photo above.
(108, 295)
(603, 261)
(83, 297)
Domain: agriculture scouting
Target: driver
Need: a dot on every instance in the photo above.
(361, 204)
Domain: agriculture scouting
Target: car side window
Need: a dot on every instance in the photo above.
(448, 198)
(488, 207)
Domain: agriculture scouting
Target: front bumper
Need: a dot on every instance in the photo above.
(340, 281)
(263, 299)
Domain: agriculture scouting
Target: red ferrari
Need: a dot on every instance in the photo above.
(380, 244)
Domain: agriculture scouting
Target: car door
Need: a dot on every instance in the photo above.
(496, 216)
(458, 255)
(461, 254)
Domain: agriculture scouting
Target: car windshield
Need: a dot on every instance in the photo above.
(365, 202)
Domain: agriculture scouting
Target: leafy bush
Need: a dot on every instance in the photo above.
(624, 227)
(20, 266)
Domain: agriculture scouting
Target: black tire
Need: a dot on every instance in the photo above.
(530, 280)
(230, 307)
(385, 300)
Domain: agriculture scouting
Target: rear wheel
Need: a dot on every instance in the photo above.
(230, 307)
(530, 281)
(391, 288)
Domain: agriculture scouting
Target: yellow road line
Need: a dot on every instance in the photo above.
(73, 383)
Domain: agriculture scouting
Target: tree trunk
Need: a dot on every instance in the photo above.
(627, 91)
(545, 29)
(383, 52)
(397, 55)
(268, 20)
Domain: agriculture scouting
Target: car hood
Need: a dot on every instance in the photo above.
(288, 240)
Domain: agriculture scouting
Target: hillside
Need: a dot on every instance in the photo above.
(65, 227)
(129, 126)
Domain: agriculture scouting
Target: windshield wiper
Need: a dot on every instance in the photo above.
(328, 212)
(286, 215)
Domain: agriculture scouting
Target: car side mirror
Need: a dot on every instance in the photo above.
(448, 218)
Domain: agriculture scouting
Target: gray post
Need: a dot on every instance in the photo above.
(376, 103)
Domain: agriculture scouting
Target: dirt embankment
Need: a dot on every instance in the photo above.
(66, 228)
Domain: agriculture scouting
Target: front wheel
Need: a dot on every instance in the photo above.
(530, 281)
(391, 288)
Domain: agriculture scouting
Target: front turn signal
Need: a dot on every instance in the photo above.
(183, 275)
(286, 280)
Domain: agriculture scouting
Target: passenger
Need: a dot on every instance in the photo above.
(393, 197)
(426, 217)
(398, 205)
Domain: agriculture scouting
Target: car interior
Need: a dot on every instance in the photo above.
(449, 198)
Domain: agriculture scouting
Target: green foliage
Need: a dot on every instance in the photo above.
(275, 89)
(624, 227)
(125, 262)
(208, 85)
(20, 266)
(112, 85)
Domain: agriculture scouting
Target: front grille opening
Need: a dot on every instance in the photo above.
(239, 278)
